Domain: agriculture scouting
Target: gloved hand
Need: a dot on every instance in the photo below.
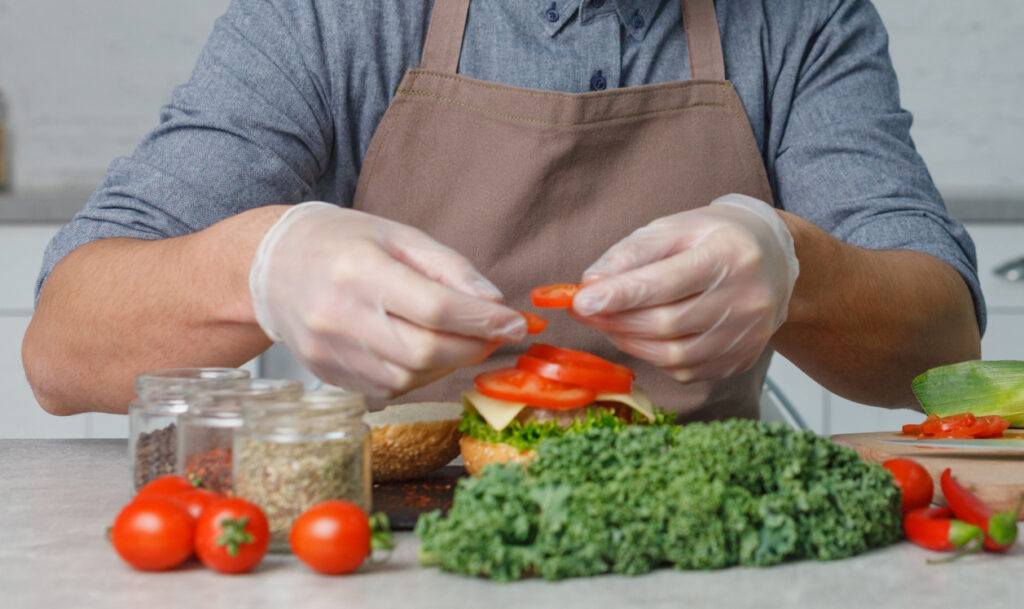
(698, 293)
(372, 305)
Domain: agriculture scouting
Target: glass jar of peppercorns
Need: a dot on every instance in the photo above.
(206, 430)
(153, 416)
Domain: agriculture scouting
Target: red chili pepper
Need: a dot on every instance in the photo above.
(936, 529)
(1000, 527)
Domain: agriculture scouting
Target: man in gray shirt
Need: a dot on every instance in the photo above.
(181, 257)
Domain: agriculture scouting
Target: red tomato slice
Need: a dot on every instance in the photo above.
(515, 385)
(598, 380)
(535, 324)
(930, 425)
(998, 426)
(912, 430)
(954, 422)
(935, 425)
(580, 359)
(984, 427)
(554, 296)
(963, 425)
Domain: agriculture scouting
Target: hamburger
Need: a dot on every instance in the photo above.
(550, 392)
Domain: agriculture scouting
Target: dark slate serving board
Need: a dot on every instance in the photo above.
(404, 501)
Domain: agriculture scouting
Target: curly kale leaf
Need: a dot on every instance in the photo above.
(627, 500)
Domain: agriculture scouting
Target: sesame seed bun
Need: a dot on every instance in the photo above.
(411, 440)
(477, 454)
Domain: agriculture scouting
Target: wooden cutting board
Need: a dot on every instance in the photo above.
(996, 477)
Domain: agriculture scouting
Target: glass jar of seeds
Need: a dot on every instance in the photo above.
(289, 456)
(153, 416)
(206, 430)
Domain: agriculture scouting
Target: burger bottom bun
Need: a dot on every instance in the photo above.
(411, 440)
(478, 454)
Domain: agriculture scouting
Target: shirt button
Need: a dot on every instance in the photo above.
(598, 82)
(552, 14)
(637, 21)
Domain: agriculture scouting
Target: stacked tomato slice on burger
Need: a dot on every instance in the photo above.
(549, 389)
(555, 378)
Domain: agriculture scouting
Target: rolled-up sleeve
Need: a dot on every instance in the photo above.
(251, 127)
(845, 159)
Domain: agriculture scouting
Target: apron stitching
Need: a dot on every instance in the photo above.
(557, 123)
(626, 91)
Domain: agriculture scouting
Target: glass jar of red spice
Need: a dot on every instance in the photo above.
(153, 416)
(206, 430)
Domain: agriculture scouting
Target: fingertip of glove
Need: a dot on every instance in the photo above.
(512, 331)
(485, 289)
(590, 302)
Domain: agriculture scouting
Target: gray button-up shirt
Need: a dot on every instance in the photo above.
(287, 94)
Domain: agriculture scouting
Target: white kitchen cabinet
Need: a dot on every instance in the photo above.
(21, 250)
(20, 417)
(806, 396)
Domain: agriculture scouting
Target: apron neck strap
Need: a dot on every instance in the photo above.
(443, 43)
(702, 40)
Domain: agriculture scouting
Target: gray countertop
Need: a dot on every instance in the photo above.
(61, 205)
(58, 496)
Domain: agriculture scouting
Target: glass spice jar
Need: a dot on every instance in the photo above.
(153, 416)
(289, 456)
(206, 430)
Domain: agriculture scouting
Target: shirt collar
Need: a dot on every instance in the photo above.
(635, 15)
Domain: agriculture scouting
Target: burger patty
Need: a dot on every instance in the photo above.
(564, 418)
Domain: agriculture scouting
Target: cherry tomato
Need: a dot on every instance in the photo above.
(914, 482)
(153, 533)
(535, 324)
(232, 536)
(515, 385)
(167, 486)
(197, 500)
(598, 380)
(332, 537)
(554, 296)
(581, 359)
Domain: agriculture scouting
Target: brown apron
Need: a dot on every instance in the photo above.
(533, 186)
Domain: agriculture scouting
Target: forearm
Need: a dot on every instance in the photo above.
(863, 323)
(114, 308)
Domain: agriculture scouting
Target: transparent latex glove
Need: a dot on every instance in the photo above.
(698, 293)
(372, 305)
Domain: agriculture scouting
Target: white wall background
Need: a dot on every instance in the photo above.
(85, 80)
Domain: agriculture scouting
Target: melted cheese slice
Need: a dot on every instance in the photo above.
(499, 413)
